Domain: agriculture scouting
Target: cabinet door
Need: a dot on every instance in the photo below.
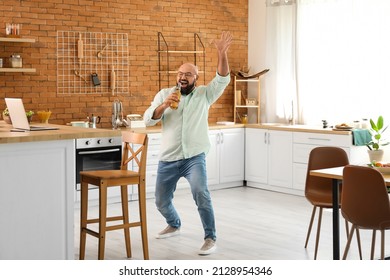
(280, 158)
(256, 155)
(212, 159)
(232, 155)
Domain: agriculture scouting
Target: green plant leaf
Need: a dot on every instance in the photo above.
(379, 123)
(373, 125)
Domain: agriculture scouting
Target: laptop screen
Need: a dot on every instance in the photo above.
(17, 113)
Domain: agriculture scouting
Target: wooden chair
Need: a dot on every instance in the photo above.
(365, 203)
(318, 191)
(135, 150)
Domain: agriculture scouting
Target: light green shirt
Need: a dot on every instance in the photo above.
(185, 130)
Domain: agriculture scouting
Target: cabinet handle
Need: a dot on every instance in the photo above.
(320, 139)
(217, 138)
(269, 142)
(221, 137)
(265, 137)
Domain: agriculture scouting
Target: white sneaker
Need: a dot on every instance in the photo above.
(168, 232)
(208, 247)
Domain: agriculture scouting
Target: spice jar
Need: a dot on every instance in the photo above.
(16, 61)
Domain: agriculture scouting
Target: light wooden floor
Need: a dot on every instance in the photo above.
(252, 224)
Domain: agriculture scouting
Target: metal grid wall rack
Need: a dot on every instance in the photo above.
(81, 54)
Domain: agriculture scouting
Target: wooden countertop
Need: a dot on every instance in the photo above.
(299, 128)
(63, 133)
(69, 132)
(294, 128)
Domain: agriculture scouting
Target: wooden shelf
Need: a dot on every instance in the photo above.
(18, 70)
(17, 40)
(169, 73)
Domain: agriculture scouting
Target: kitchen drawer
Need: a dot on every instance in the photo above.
(154, 139)
(153, 155)
(322, 139)
(301, 152)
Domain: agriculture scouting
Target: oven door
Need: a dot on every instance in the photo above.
(101, 158)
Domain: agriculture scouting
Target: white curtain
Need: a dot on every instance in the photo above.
(341, 60)
(280, 84)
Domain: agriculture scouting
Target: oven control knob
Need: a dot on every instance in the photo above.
(87, 142)
(110, 140)
(99, 141)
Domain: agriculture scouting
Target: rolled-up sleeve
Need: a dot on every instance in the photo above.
(157, 101)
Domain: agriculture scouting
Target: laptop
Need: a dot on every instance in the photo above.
(18, 116)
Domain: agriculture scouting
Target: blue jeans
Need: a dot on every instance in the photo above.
(194, 170)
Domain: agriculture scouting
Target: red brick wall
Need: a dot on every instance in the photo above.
(177, 20)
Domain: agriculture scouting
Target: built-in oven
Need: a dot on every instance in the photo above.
(97, 154)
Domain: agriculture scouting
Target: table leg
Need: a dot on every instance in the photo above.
(336, 223)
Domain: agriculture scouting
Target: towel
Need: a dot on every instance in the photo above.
(361, 137)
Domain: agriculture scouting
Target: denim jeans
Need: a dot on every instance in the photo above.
(194, 170)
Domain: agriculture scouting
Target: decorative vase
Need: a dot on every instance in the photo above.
(375, 155)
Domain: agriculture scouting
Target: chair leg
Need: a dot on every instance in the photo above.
(359, 243)
(313, 213)
(125, 215)
(318, 233)
(382, 244)
(349, 242)
(83, 219)
(102, 220)
(142, 213)
(373, 244)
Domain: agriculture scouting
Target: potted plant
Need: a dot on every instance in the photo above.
(377, 129)
(7, 118)
(29, 115)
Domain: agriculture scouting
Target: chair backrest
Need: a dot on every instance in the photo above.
(364, 200)
(135, 150)
(319, 158)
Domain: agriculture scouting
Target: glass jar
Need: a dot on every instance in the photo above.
(244, 119)
(16, 61)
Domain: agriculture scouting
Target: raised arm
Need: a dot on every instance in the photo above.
(222, 45)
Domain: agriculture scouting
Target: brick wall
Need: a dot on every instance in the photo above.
(142, 20)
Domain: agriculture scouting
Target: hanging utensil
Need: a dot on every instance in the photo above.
(77, 73)
(100, 53)
(80, 49)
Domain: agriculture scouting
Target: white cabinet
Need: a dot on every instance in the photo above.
(268, 158)
(303, 143)
(225, 160)
(152, 158)
(36, 200)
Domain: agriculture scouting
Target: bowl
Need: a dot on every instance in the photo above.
(80, 124)
(44, 116)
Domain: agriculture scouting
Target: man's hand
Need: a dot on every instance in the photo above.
(222, 45)
(224, 42)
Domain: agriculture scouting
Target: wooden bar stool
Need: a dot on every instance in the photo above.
(135, 150)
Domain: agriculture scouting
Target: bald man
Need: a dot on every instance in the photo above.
(185, 142)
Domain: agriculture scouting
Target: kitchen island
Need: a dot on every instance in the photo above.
(37, 183)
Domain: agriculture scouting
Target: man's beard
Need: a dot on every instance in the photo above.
(188, 89)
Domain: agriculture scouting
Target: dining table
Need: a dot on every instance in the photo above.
(336, 174)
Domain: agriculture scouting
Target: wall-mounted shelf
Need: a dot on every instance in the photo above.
(164, 71)
(17, 40)
(18, 70)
